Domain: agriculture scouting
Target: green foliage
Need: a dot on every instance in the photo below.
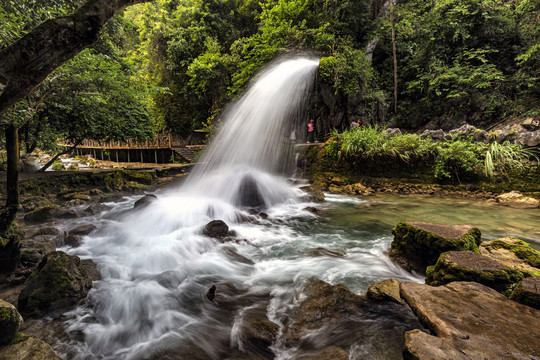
(458, 160)
(57, 166)
(505, 158)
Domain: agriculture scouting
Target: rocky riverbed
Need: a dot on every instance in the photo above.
(476, 292)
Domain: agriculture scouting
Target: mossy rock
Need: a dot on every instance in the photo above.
(418, 245)
(527, 292)
(469, 266)
(387, 290)
(33, 250)
(10, 321)
(34, 203)
(519, 248)
(27, 348)
(140, 177)
(41, 214)
(59, 281)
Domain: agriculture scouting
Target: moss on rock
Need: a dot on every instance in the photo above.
(10, 321)
(59, 280)
(519, 248)
(418, 245)
(527, 292)
(469, 266)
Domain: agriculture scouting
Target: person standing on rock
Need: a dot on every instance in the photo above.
(310, 131)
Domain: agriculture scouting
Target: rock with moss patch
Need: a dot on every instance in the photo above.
(28, 348)
(34, 249)
(517, 200)
(418, 245)
(42, 214)
(514, 253)
(256, 333)
(33, 203)
(10, 321)
(315, 193)
(469, 266)
(527, 292)
(59, 281)
(387, 290)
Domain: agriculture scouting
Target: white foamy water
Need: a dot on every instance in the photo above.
(158, 269)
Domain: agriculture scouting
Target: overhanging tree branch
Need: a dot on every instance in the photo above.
(27, 62)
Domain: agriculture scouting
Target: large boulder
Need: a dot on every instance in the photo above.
(517, 200)
(59, 281)
(470, 321)
(418, 245)
(34, 249)
(28, 348)
(248, 194)
(469, 266)
(10, 321)
(42, 214)
(144, 201)
(527, 292)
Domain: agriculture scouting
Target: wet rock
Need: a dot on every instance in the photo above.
(328, 353)
(28, 348)
(73, 240)
(469, 266)
(59, 281)
(387, 290)
(325, 252)
(518, 200)
(311, 209)
(418, 245)
(216, 229)
(82, 230)
(111, 198)
(256, 333)
(46, 230)
(42, 214)
(472, 320)
(248, 194)
(34, 249)
(77, 196)
(144, 201)
(9, 252)
(315, 193)
(322, 303)
(66, 214)
(33, 203)
(527, 292)
(513, 253)
(96, 209)
(352, 189)
(10, 321)
(233, 255)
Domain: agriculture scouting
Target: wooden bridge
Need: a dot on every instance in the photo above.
(163, 149)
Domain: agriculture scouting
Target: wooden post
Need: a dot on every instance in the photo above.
(170, 141)
(129, 160)
(142, 156)
(155, 155)
(117, 155)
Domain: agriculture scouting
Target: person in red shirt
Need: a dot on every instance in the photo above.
(310, 131)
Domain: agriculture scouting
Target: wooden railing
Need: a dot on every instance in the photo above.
(161, 141)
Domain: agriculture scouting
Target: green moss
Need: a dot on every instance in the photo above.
(19, 338)
(521, 249)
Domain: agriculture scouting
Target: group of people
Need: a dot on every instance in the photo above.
(356, 123)
(310, 133)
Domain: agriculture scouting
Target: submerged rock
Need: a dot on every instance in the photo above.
(517, 200)
(471, 321)
(469, 266)
(328, 353)
(256, 334)
(10, 321)
(59, 281)
(325, 252)
(417, 245)
(28, 348)
(387, 290)
(527, 292)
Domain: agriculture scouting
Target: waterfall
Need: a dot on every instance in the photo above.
(252, 142)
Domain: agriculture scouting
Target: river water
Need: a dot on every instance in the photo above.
(158, 268)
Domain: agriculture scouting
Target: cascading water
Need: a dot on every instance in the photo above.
(155, 300)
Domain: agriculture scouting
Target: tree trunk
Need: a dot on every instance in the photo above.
(7, 215)
(55, 157)
(394, 53)
(27, 62)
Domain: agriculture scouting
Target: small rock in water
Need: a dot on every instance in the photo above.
(144, 201)
(83, 230)
(211, 294)
(216, 229)
(325, 252)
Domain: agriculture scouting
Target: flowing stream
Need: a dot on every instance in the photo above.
(158, 268)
